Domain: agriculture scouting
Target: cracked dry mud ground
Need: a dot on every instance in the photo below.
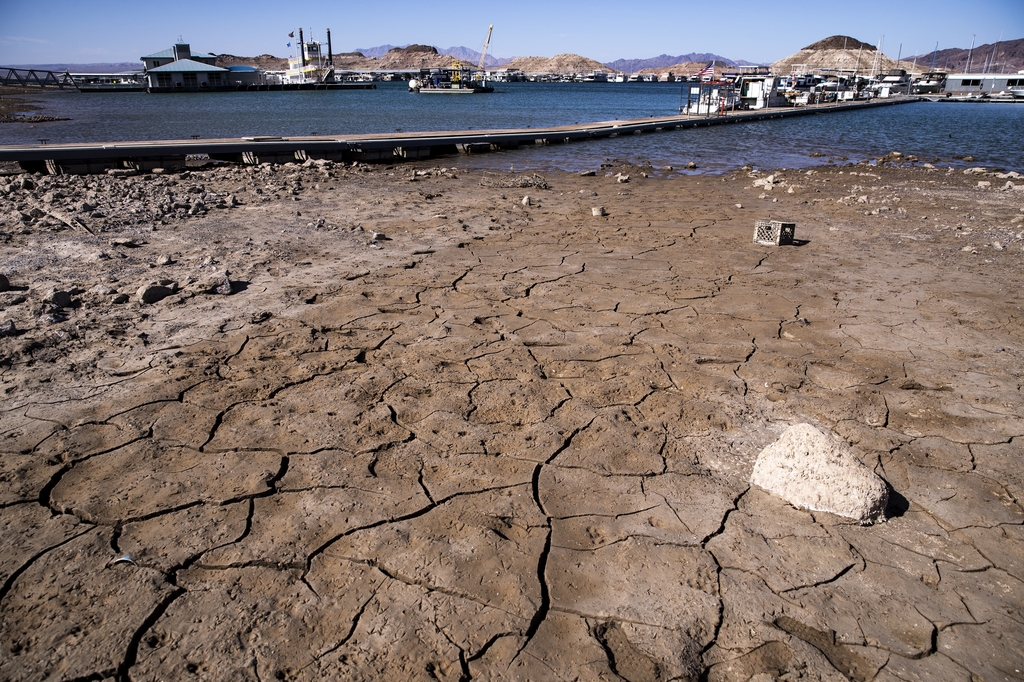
(513, 442)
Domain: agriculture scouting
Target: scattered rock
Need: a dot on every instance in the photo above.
(59, 298)
(588, 174)
(691, 165)
(621, 178)
(598, 211)
(984, 183)
(8, 329)
(152, 293)
(526, 201)
(5, 284)
(815, 471)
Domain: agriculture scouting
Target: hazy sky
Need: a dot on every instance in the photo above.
(81, 31)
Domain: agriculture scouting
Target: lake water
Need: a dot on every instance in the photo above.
(992, 133)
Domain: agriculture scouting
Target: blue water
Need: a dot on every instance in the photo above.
(992, 133)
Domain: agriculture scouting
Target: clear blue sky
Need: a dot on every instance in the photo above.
(82, 31)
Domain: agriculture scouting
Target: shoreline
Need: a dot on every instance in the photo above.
(340, 420)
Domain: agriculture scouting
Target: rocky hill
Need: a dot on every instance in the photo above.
(560, 63)
(686, 69)
(830, 54)
(1008, 58)
(267, 62)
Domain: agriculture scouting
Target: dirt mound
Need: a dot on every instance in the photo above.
(561, 63)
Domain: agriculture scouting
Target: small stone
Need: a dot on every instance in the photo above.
(120, 299)
(984, 183)
(739, 205)
(691, 165)
(8, 329)
(164, 260)
(5, 284)
(526, 201)
(27, 183)
(621, 178)
(998, 246)
(813, 470)
(588, 174)
(598, 211)
(378, 236)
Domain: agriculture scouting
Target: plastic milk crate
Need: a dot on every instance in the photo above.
(774, 232)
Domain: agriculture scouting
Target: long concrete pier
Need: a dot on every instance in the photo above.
(169, 154)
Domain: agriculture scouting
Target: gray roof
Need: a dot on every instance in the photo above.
(186, 66)
(169, 54)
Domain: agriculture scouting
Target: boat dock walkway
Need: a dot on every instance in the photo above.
(169, 154)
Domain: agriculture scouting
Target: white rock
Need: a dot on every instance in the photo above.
(813, 470)
(598, 211)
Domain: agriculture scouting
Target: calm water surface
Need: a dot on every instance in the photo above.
(992, 133)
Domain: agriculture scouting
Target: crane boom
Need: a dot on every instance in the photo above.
(483, 55)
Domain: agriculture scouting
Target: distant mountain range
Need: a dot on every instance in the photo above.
(661, 61)
(463, 53)
(118, 67)
(624, 65)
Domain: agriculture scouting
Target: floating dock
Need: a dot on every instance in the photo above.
(170, 154)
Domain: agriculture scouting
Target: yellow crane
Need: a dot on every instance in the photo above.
(483, 55)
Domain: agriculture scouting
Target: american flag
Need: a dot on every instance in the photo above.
(708, 70)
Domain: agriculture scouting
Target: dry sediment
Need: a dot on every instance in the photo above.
(397, 422)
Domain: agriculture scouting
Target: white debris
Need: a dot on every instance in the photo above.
(813, 470)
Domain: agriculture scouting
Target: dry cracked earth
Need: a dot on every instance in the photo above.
(398, 423)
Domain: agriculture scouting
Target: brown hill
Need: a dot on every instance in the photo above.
(687, 69)
(267, 62)
(1008, 58)
(560, 63)
(861, 57)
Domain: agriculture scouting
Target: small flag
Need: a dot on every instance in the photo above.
(292, 34)
(708, 70)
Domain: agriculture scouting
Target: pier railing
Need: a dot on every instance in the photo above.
(35, 78)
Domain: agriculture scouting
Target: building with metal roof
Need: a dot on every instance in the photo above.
(178, 52)
(186, 75)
